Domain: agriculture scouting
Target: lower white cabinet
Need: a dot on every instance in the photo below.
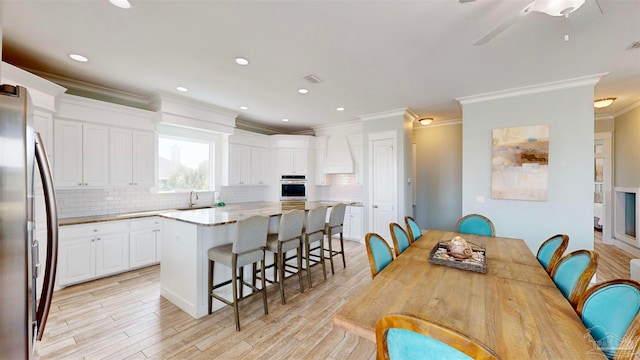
(90, 251)
(144, 242)
(93, 250)
(352, 226)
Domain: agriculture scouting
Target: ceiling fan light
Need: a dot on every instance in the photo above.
(425, 121)
(556, 7)
(603, 103)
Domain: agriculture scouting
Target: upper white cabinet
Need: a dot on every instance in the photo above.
(248, 161)
(98, 144)
(292, 161)
(81, 154)
(131, 157)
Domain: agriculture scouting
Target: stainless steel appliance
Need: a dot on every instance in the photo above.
(293, 188)
(22, 316)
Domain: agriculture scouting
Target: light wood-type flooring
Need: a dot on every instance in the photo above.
(124, 317)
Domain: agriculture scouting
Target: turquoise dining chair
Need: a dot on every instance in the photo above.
(401, 241)
(412, 228)
(407, 336)
(573, 274)
(379, 253)
(609, 310)
(551, 251)
(475, 224)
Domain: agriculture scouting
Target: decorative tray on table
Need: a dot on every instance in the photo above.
(461, 254)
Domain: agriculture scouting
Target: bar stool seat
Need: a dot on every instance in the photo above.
(247, 248)
(335, 226)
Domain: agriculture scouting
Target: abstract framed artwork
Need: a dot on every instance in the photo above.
(520, 163)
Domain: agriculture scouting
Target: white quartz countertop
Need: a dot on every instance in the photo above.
(211, 216)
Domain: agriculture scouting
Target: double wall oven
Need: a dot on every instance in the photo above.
(293, 188)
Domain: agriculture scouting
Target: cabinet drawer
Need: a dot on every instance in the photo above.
(146, 223)
(107, 227)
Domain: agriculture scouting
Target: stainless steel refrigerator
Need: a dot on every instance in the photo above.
(23, 313)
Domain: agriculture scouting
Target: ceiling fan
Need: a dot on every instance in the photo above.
(549, 7)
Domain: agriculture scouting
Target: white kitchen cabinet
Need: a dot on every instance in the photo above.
(144, 242)
(292, 161)
(355, 143)
(321, 152)
(131, 157)
(259, 166)
(239, 164)
(93, 250)
(81, 154)
(353, 223)
(248, 165)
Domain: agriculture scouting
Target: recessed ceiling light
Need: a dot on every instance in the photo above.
(303, 91)
(285, 120)
(180, 88)
(339, 109)
(242, 61)
(122, 4)
(79, 58)
(244, 107)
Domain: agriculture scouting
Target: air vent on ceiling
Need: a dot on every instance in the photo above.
(312, 79)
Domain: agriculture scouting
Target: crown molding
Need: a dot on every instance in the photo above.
(603, 117)
(626, 109)
(384, 114)
(533, 89)
(437, 123)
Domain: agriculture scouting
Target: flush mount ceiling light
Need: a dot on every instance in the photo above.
(182, 89)
(244, 107)
(122, 4)
(603, 103)
(285, 120)
(79, 58)
(303, 91)
(242, 61)
(339, 109)
(425, 121)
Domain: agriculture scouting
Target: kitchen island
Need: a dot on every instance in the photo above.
(189, 234)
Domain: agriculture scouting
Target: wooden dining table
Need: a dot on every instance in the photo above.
(514, 308)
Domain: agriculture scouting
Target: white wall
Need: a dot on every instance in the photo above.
(627, 149)
(568, 109)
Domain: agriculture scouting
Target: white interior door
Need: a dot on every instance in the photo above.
(602, 203)
(383, 179)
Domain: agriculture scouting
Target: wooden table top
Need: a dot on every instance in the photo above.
(515, 308)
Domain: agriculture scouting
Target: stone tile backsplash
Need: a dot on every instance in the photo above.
(107, 201)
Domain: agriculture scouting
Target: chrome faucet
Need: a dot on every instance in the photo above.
(191, 203)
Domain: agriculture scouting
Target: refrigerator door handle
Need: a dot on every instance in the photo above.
(51, 262)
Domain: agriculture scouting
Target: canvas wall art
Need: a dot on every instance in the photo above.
(520, 166)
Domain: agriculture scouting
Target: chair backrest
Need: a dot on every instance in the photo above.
(609, 310)
(400, 237)
(379, 253)
(573, 273)
(475, 224)
(412, 228)
(407, 336)
(551, 251)
(315, 223)
(290, 226)
(251, 234)
(336, 217)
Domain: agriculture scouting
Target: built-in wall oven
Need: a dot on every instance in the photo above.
(293, 188)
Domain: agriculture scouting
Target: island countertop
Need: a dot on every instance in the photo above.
(210, 216)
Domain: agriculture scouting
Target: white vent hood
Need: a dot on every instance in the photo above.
(338, 159)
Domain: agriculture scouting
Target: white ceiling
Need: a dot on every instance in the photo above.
(372, 56)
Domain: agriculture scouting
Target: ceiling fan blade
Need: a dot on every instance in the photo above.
(504, 25)
(465, 1)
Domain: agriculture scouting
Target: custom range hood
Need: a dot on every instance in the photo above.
(338, 159)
